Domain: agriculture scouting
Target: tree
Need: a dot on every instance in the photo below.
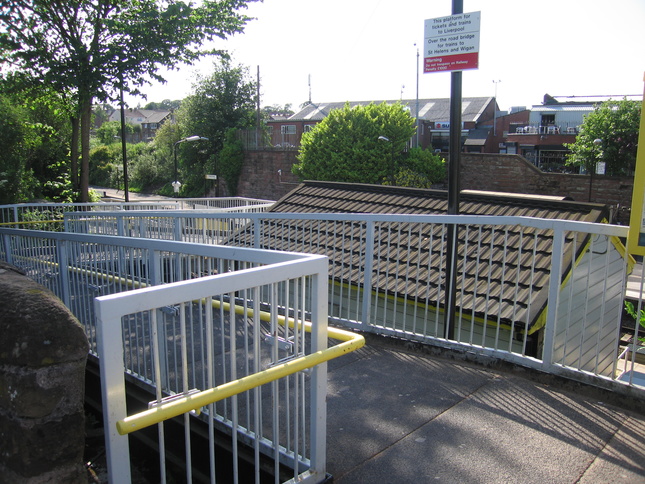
(231, 159)
(92, 49)
(277, 110)
(110, 132)
(165, 105)
(615, 124)
(34, 135)
(363, 144)
(221, 101)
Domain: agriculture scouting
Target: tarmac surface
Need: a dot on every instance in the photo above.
(399, 415)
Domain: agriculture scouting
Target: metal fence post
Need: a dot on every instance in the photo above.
(319, 318)
(555, 282)
(110, 351)
(367, 274)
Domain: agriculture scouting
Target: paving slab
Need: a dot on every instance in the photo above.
(384, 395)
(397, 417)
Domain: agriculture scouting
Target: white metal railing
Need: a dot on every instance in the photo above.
(386, 277)
(43, 216)
(183, 317)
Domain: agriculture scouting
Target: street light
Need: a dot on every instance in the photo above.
(597, 143)
(176, 185)
(386, 139)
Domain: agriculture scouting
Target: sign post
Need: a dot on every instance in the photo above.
(452, 43)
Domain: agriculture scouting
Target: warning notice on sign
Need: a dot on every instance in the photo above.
(457, 62)
(452, 43)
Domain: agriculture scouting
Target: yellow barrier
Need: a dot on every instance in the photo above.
(165, 411)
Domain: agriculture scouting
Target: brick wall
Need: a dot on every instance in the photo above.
(512, 173)
(260, 174)
(479, 171)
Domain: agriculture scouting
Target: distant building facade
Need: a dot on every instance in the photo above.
(145, 121)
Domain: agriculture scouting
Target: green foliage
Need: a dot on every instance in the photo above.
(50, 220)
(616, 125)
(640, 317)
(345, 146)
(231, 160)
(104, 160)
(277, 110)
(421, 169)
(166, 105)
(34, 133)
(91, 50)
(110, 132)
(223, 100)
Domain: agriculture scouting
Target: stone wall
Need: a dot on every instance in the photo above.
(479, 171)
(43, 351)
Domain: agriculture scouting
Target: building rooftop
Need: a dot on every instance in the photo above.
(526, 254)
(434, 110)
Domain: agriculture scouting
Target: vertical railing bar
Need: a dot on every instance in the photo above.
(368, 269)
(159, 395)
(475, 286)
(553, 298)
(233, 377)
(442, 267)
(490, 277)
(185, 388)
(625, 267)
(567, 327)
(210, 370)
(287, 401)
(518, 275)
(387, 281)
(275, 424)
(602, 306)
(501, 291)
(583, 332)
(460, 304)
(257, 408)
(406, 292)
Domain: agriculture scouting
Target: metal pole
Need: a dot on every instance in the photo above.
(454, 160)
(123, 147)
(174, 148)
(416, 144)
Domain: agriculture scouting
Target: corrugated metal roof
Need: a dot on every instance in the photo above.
(435, 110)
(558, 108)
(515, 261)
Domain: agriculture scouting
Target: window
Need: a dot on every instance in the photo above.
(309, 127)
(548, 119)
(288, 129)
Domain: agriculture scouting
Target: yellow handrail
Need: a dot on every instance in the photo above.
(165, 411)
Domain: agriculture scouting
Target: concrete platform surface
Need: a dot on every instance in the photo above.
(401, 416)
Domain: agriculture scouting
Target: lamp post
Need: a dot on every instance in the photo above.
(391, 177)
(495, 107)
(597, 143)
(176, 185)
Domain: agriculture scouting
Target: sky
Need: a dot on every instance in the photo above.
(359, 50)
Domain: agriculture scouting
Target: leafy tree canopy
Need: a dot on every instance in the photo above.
(615, 125)
(278, 110)
(362, 144)
(91, 49)
(110, 132)
(166, 105)
(223, 100)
